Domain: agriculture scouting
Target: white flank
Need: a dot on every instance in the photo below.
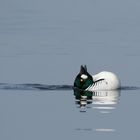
(110, 82)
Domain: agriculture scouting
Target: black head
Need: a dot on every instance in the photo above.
(83, 80)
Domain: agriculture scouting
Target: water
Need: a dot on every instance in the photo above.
(42, 45)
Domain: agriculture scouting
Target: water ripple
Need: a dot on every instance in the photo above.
(36, 86)
(130, 88)
(8, 86)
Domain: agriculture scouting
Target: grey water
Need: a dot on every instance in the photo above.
(42, 45)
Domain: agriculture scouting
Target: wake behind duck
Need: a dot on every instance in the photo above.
(99, 82)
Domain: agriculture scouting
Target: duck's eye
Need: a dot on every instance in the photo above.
(81, 80)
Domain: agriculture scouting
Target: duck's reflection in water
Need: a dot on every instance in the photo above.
(103, 101)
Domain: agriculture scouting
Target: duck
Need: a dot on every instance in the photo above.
(101, 81)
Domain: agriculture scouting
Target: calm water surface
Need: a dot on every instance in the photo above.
(43, 43)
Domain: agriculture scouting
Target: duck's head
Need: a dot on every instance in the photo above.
(83, 80)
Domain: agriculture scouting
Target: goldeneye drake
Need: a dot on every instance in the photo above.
(102, 81)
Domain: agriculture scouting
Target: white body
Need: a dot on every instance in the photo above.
(110, 82)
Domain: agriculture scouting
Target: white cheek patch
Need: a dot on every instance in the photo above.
(83, 76)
